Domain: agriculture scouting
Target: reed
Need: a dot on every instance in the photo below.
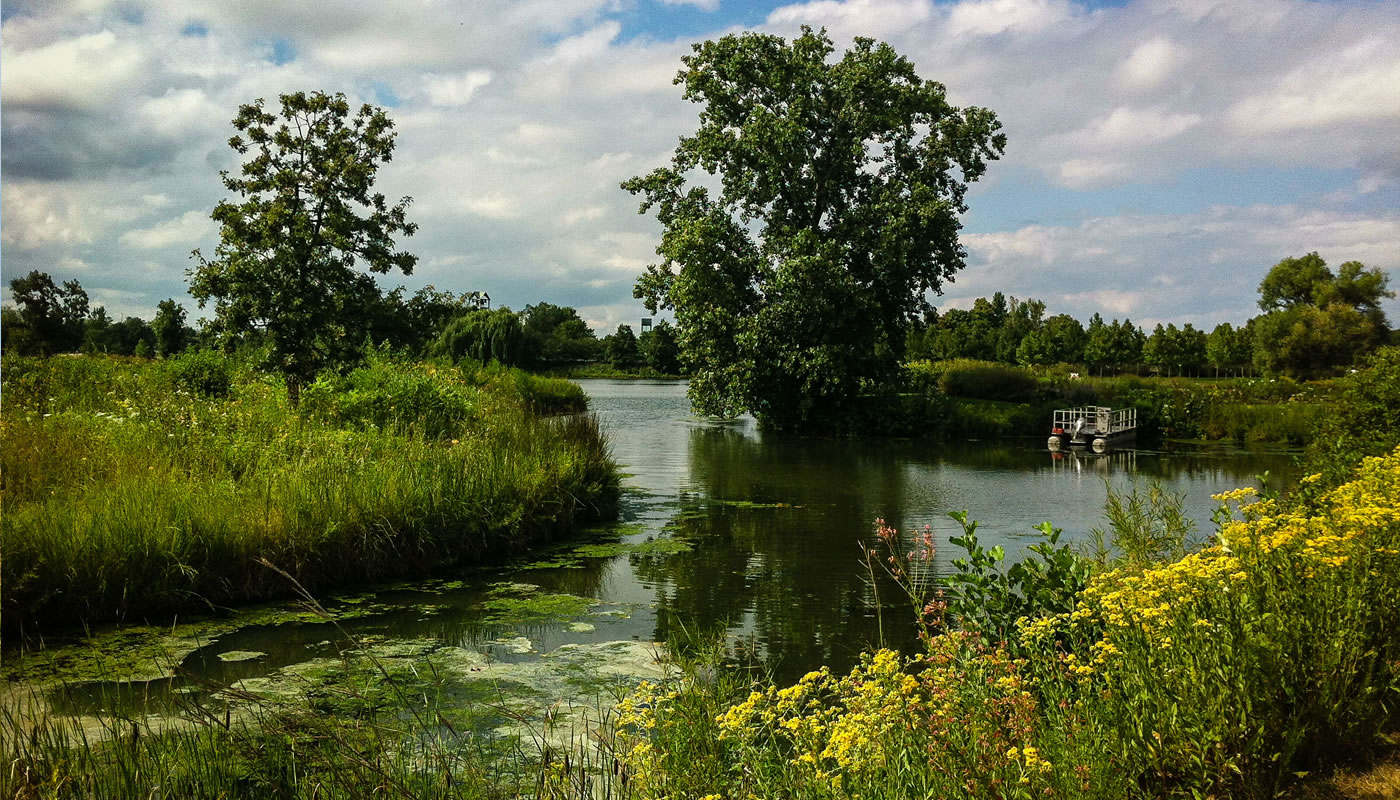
(127, 496)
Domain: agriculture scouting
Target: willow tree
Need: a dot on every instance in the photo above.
(305, 218)
(839, 186)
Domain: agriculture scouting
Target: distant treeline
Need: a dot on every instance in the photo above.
(50, 318)
(1314, 322)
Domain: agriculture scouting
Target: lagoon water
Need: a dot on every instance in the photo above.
(725, 531)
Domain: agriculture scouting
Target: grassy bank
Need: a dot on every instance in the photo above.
(139, 489)
(990, 400)
(1238, 670)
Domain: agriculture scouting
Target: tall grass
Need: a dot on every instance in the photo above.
(126, 495)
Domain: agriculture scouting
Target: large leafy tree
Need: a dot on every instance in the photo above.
(485, 336)
(304, 218)
(559, 335)
(839, 188)
(169, 328)
(623, 352)
(50, 317)
(1316, 321)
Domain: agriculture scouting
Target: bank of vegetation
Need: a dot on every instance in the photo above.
(1249, 666)
(983, 399)
(1154, 666)
(139, 489)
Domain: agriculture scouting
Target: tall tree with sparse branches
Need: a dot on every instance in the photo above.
(304, 218)
(840, 186)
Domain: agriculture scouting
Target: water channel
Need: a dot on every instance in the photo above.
(725, 530)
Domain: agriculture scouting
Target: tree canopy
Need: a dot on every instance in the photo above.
(49, 318)
(840, 183)
(1315, 320)
(304, 217)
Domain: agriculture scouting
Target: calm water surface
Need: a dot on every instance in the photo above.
(775, 526)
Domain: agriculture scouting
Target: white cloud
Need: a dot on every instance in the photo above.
(1203, 266)
(495, 205)
(78, 73)
(179, 113)
(186, 230)
(1090, 173)
(703, 5)
(876, 18)
(34, 216)
(455, 90)
(1150, 64)
(517, 121)
(989, 17)
(1360, 84)
(584, 214)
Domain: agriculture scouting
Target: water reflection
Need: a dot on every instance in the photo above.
(778, 522)
(775, 526)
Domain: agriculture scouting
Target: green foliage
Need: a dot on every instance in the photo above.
(986, 380)
(622, 348)
(383, 396)
(203, 373)
(1113, 344)
(127, 495)
(484, 336)
(306, 214)
(1315, 321)
(102, 336)
(1175, 350)
(1363, 419)
(1294, 281)
(838, 210)
(661, 348)
(1060, 339)
(984, 598)
(1229, 672)
(169, 328)
(1308, 340)
(412, 325)
(1145, 527)
(1228, 347)
(50, 318)
(557, 335)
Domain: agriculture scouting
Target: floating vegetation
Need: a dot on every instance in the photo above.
(241, 655)
(515, 645)
(535, 608)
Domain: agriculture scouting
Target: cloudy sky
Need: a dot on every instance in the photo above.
(1162, 153)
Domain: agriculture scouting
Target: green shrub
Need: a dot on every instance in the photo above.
(1363, 420)
(436, 402)
(202, 372)
(986, 380)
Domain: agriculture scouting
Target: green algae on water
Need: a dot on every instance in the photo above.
(241, 655)
(535, 608)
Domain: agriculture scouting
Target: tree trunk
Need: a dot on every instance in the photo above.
(294, 392)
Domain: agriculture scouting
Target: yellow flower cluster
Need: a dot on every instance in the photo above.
(1358, 521)
(833, 724)
(1030, 757)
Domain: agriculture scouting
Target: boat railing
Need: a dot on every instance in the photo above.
(1097, 420)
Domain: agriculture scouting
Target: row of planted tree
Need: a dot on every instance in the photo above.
(1314, 322)
(50, 318)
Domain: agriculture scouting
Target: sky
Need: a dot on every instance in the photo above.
(1161, 155)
